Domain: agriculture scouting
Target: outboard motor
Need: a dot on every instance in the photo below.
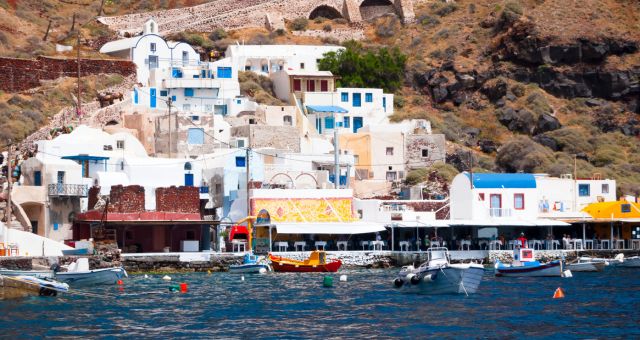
(55, 267)
(398, 282)
(415, 279)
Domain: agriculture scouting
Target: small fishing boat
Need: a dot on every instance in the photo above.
(40, 274)
(23, 286)
(439, 276)
(524, 264)
(79, 274)
(76, 251)
(587, 264)
(631, 262)
(251, 264)
(317, 262)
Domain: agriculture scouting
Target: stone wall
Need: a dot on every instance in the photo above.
(23, 74)
(173, 263)
(126, 199)
(264, 136)
(434, 144)
(181, 199)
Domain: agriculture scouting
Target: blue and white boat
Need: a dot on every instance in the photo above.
(439, 276)
(524, 264)
(251, 264)
(78, 274)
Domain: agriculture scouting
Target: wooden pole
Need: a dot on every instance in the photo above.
(8, 211)
(79, 107)
(73, 23)
(46, 34)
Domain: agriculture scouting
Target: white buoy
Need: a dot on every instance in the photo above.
(242, 278)
(146, 276)
(166, 278)
(343, 278)
(567, 273)
(262, 271)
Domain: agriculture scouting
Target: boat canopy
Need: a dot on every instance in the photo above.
(499, 222)
(347, 228)
(238, 230)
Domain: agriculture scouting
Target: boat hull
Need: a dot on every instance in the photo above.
(587, 267)
(249, 268)
(23, 286)
(553, 268)
(630, 262)
(452, 279)
(330, 267)
(40, 274)
(105, 276)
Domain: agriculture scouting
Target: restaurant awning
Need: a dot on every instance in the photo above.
(420, 224)
(507, 223)
(346, 228)
(326, 108)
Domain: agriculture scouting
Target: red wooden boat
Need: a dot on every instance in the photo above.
(317, 262)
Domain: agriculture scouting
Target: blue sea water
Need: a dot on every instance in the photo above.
(278, 305)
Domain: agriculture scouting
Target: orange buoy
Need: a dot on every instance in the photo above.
(119, 282)
(558, 294)
(183, 287)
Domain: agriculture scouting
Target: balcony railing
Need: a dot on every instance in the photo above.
(79, 190)
(499, 212)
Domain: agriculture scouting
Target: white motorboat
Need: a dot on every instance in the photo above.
(251, 264)
(40, 274)
(439, 276)
(587, 264)
(524, 264)
(631, 262)
(79, 274)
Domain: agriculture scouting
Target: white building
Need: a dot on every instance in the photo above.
(565, 197)
(267, 59)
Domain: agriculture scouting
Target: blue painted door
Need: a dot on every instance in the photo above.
(357, 100)
(357, 123)
(37, 178)
(152, 97)
(188, 180)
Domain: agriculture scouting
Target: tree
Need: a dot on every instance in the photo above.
(359, 67)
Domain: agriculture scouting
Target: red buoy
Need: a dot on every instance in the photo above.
(183, 287)
(119, 282)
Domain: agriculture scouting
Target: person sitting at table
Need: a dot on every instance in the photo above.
(501, 239)
(523, 240)
(418, 242)
(378, 237)
(427, 243)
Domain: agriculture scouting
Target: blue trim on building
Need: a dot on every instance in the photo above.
(502, 181)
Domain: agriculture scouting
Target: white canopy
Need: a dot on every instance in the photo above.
(498, 222)
(421, 224)
(330, 228)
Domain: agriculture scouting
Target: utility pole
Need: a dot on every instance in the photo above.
(248, 171)
(471, 167)
(336, 153)
(169, 104)
(79, 107)
(7, 211)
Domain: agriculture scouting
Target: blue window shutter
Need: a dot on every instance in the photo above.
(163, 93)
(384, 103)
(346, 122)
(241, 162)
(224, 72)
(368, 97)
(345, 97)
(37, 178)
(328, 122)
(357, 100)
(135, 96)
(188, 92)
(173, 98)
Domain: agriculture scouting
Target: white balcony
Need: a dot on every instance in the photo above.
(68, 190)
(500, 212)
(196, 83)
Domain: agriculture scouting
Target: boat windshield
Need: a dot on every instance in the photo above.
(438, 254)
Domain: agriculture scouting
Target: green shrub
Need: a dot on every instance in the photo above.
(572, 140)
(280, 32)
(327, 28)
(218, 34)
(513, 6)
(387, 26)
(300, 24)
(444, 9)
(428, 21)
(340, 21)
(537, 103)
(523, 154)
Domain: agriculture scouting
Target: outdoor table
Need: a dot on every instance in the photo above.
(322, 244)
(635, 244)
(495, 245)
(282, 246)
(342, 244)
(365, 244)
(435, 243)
(552, 244)
(588, 244)
(537, 244)
(483, 244)
(405, 245)
(514, 243)
(377, 245)
(301, 244)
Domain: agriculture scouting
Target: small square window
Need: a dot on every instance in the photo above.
(152, 47)
(238, 101)
(481, 197)
(605, 188)
(584, 190)
(302, 66)
(120, 144)
(344, 96)
(389, 151)
(625, 208)
(425, 153)
(368, 97)
(188, 92)
(164, 93)
(241, 162)
(518, 201)
(195, 118)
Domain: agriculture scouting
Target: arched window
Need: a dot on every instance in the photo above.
(187, 166)
(152, 27)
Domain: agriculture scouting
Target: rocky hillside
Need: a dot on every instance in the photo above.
(529, 85)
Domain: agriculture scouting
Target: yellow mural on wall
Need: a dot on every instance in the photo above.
(305, 210)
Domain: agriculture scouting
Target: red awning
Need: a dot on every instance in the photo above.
(238, 229)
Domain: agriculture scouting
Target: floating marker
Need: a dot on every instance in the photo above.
(558, 294)
(327, 281)
(343, 278)
(146, 276)
(174, 288)
(166, 278)
(262, 271)
(208, 272)
(242, 278)
(183, 287)
(567, 273)
(119, 282)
